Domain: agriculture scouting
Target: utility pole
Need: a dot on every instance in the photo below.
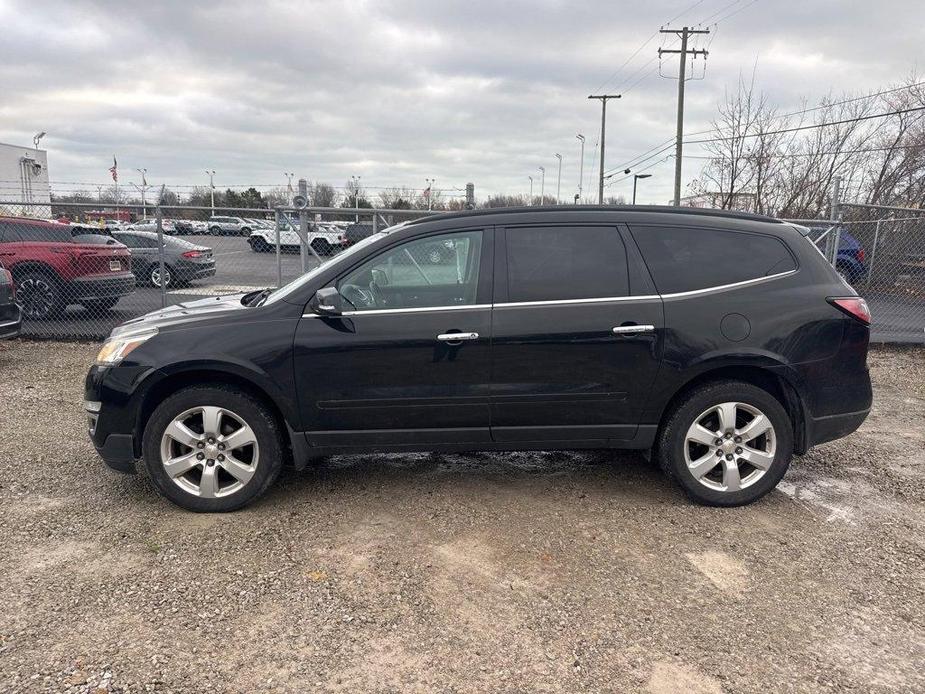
(581, 167)
(559, 178)
(603, 98)
(683, 33)
(542, 185)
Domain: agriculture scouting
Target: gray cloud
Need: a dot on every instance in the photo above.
(402, 90)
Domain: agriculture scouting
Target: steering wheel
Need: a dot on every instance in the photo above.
(359, 297)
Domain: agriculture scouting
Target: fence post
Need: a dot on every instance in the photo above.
(873, 253)
(160, 250)
(279, 262)
(835, 215)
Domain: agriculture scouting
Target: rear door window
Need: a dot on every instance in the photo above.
(684, 259)
(559, 263)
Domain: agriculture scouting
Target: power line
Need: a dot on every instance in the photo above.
(643, 45)
(788, 155)
(809, 127)
(660, 147)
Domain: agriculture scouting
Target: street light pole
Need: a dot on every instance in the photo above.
(211, 175)
(559, 178)
(581, 166)
(430, 192)
(356, 197)
(289, 176)
(531, 190)
(542, 185)
(144, 187)
(636, 177)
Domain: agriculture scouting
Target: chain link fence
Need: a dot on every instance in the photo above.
(82, 269)
(881, 254)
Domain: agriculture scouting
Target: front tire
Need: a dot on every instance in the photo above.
(215, 231)
(212, 449)
(726, 443)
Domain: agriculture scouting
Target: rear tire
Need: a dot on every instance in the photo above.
(154, 276)
(215, 231)
(321, 247)
(258, 244)
(739, 470)
(39, 295)
(212, 413)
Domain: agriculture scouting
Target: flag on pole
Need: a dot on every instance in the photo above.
(114, 169)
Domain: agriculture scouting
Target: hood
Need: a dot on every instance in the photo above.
(188, 312)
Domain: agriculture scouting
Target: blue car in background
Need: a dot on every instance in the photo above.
(850, 262)
(850, 259)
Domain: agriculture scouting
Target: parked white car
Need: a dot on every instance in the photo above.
(236, 226)
(325, 239)
(167, 225)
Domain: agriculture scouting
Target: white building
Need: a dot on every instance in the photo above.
(24, 179)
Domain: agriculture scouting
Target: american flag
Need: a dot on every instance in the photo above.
(114, 169)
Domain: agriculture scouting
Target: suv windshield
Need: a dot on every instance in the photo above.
(293, 286)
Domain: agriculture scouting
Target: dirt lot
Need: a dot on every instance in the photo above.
(526, 572)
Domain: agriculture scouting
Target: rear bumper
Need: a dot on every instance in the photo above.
(194, 271)
(82, 288)
(836, 426)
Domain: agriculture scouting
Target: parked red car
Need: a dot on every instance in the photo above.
(52, 270)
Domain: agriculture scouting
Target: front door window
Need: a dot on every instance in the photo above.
(430, 272)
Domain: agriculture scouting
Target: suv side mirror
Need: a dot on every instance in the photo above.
(327, 302)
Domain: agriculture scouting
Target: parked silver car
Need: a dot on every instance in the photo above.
(236, 226)
(183, 261)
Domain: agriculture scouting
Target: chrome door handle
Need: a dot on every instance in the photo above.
(457, 337)
(633, 329)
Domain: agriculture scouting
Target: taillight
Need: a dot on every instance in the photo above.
(193, 254)
(859, 254)
(854, 306)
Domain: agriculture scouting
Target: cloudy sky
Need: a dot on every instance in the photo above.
(398, 91)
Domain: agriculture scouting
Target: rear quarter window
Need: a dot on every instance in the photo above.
(684, 259)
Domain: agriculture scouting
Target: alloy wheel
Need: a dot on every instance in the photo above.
(156, 276)
(730, 446)
(209, 452)
(36, 297)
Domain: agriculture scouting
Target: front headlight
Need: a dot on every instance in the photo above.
(115, 349)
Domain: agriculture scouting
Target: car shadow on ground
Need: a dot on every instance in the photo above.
(545, 473)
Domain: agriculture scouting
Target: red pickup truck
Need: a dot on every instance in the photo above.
(52, 270)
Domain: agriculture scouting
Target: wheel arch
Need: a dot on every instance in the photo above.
(771, 378)
(33, 265)
(227, 375)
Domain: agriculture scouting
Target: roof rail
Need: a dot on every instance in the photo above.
(661, 209)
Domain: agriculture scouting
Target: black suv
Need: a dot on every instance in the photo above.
(721, 342)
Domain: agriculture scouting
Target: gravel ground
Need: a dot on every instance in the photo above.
(519, 572)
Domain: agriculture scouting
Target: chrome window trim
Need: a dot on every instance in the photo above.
(422, 309)
(724, 287)
(563, 302)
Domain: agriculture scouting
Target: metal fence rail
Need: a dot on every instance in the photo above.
(95, 267)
